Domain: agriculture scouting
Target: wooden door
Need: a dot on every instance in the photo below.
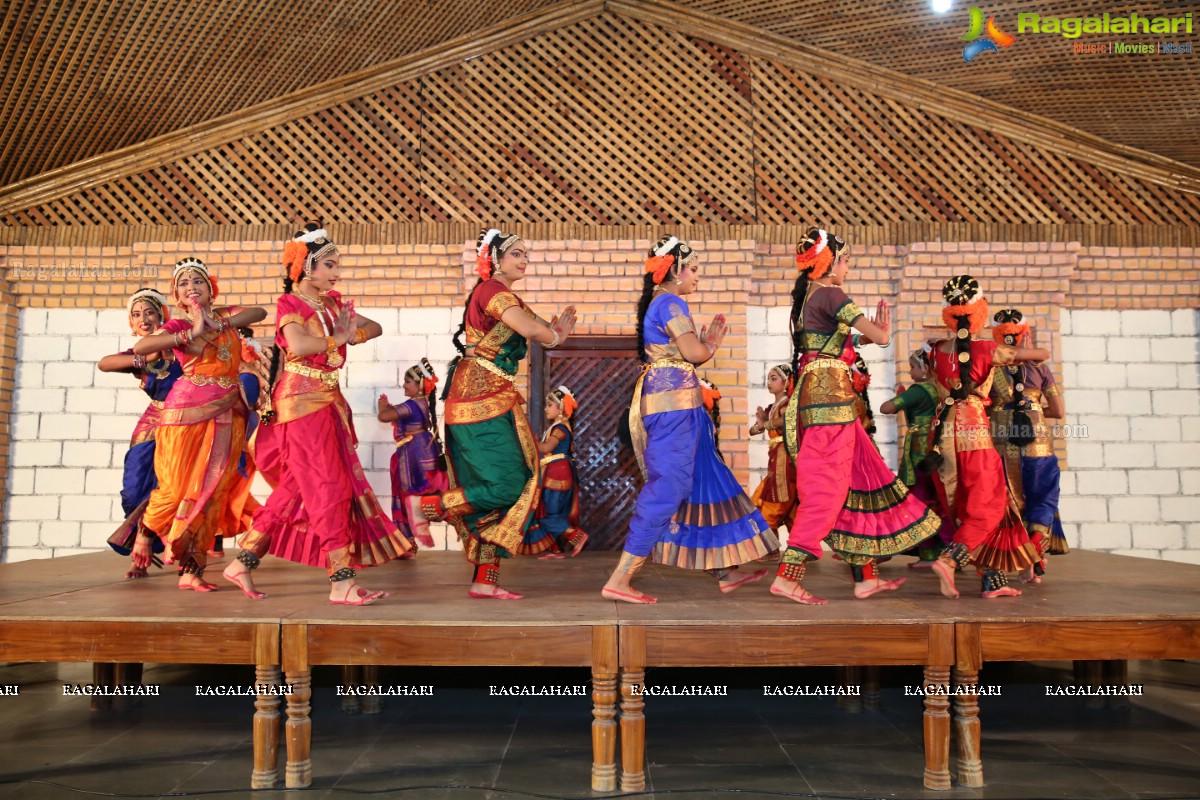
(600, 371)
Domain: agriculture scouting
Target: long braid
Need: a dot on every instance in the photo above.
(276, 352)
(795, 322)
(642, 308)
(457, 340)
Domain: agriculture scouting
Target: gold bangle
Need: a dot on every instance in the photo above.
(360, 336)
(332, 356)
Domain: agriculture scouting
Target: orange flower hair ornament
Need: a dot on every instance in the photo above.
(295, 253)
(484, 265)
(251, 351)
(1010, 328)
(964, 298)
(659, 264)
(710, 393)
(424, 373)
(860, 377)
(817, 251)
(566, 399)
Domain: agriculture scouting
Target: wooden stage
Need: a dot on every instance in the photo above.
(1092, 606)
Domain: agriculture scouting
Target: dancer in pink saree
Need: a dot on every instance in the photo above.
(848, 496)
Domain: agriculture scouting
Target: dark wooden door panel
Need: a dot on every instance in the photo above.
(600, 371)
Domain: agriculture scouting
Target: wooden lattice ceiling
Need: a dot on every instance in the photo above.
(612, 120)
(83, 77)
(79, 78)
(1143, 101)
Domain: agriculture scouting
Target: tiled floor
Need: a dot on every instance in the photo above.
(462, 743)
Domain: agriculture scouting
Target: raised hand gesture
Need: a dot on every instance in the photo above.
(883, 315)
(564, 324)
(714, 333)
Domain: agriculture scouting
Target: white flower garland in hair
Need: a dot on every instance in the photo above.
(313, 236)
(425, 371)
(566, 391)
(822, 241)
(145, 294)
(491, 234)
(667, 246)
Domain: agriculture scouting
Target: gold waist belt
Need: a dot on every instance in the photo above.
(825, 363)
(330, 379)
(492, 368)
(550, 459)
(209, 380)
(677, 363)
(403, 440)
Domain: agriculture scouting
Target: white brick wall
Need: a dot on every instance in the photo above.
(1134, 473)
(71, 423)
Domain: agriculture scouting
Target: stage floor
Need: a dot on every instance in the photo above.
(464, 734)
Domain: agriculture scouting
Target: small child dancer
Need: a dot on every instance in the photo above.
(557, 516)
(418, 466)
(775, 497)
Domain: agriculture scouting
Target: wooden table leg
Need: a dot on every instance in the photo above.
(298, 774)
(351, 676)
(633, 721)
(604, 708)
(850, 676)
(266, 730)
(966, 724)
(937, 728)
(102, 675)
(371, 704)
(1116, 673)
(937, 706)
(872, 699)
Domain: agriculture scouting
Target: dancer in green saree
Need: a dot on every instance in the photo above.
(491, 453)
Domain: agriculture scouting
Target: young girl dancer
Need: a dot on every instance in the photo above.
(556, 521)
(418, 467)
(775, 497)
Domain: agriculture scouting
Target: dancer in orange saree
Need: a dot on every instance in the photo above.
(775, 497)
(156, 374)
(491, 452)
(970, 479)
(202, 430)
(322, 511)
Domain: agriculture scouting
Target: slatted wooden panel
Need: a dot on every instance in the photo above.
(614, 122)
(1141, 101)
(851, 158)
(83, 77)
(602, 376)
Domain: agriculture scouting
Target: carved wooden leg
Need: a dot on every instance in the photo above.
(371, 704)
(266, 730)
(351, 676)
(299, 730)
(966, 724)
(102, 675)
(633, 720)
(870, 689)
(1090, 673)
(850, 676)
(937, 728)
(604, 709)
(126, 675)
(1116, 673)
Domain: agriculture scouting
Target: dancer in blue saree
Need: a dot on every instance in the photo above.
(692, 512)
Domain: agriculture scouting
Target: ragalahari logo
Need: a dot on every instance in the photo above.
(993, 37)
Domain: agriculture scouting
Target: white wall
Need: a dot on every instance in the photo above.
(72, 423)
(1133, 382)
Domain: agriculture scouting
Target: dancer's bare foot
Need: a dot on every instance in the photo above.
(578, 546)
(552, 555)
(490, 591)
(873, 586)
(1003, 591)
(1029, 575)
(136, 572)
(945, 571)
(735, 579)
(349, 593)
(795, 592)
(195, 583)
(628, 595)
(141, 554)
(239, 574)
